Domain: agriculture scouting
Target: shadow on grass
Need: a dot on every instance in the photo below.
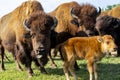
(9, 62)
(105, 71)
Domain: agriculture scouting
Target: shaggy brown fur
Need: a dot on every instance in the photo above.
(86, 15)
(91, 49)
(84, 21)
(13, 34)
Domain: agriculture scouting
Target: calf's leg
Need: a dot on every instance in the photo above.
(95, 71)
(90, 69)
(71, 69)
(65, 68)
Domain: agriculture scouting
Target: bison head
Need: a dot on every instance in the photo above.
(85, 16)
(107, 25)
(108, 44)
(39, 26)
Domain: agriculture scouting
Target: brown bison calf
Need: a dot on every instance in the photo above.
(92, 49)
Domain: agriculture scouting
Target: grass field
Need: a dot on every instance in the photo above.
(108, 69)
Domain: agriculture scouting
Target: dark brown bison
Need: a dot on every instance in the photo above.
(72, 16)
(83, 48)
(26, 33)
(109, 25)
(75, 19)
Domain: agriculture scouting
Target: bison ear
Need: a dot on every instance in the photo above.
(73, 12)
(55, 23)
(100, 39)
(25, 25)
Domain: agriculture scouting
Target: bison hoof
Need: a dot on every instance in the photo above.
(20, 69)
(3, 69)
(30, 75)
(43, 71)
(54, 65)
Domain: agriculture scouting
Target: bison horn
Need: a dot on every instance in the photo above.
(25, 26)
(99, 11)
(72, 14)
(55, 23)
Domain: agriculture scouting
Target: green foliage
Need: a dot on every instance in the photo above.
(108, 69)
(109, 7)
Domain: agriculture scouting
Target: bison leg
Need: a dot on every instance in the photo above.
(42, 69)
(6, 57)
(95, 71)
(90, 69)
(76, 67)
(2, 57)
(65, 68)
(18, 65)
(71, 69)
(51, 60)
(15, 55)
(28, 66)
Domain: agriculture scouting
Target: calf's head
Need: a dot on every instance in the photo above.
(107, 44)
(39, 26)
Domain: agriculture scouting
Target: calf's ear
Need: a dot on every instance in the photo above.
(100, 39)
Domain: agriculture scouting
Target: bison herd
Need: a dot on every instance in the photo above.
(77, 31)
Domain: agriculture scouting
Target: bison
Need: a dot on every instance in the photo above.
(91, 49)
(72, 16)
(58, 38)
(109, 25)
(25, 32)
(75, 20)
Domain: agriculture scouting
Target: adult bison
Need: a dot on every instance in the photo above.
(26, 33)
(75, 20)
(72, 16)
(109, 25)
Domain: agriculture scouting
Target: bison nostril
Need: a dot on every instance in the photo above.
(40, 49)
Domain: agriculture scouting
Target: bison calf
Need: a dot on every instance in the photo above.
(92, 49)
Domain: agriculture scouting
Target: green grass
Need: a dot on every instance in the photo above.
(108, 69)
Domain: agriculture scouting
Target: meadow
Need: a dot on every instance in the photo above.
(108, 69)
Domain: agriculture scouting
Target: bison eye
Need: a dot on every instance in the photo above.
(75, 22)
(33, 35)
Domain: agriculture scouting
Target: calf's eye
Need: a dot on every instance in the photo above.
(107, 42)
